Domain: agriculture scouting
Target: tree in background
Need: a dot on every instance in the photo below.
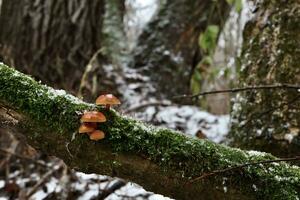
(269, 120)
(83, 42)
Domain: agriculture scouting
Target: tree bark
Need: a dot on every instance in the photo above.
(104, 72)
(167, 52)
(168, 49)
(161, 160)
(51, 37)
(269, 120)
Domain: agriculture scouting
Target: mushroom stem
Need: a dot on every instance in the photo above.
(107, 106)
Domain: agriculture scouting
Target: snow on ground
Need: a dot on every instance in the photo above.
(137, 191)
(189, 119)
(81, 187)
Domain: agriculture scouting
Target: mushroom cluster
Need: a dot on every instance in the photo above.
(90, 119)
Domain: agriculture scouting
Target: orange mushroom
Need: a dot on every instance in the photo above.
(93, 116)
(87, 127)
(97, 135)
(107, 100)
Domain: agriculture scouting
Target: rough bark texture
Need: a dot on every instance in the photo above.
(51, 37)
(168, 48)
(159, 159)
(269, 120)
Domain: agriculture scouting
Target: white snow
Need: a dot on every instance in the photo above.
(139, 13)
(90, 185)
(254, 187)
(256, 153)
(51, 186)
(189, 119)
(289, 137)
(52, 93)
(2, 184)
(132, 190)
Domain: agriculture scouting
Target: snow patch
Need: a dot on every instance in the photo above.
(189, 119)
(256, 153)
(53, 93)
(2, 184)
(289, 137)
(138, 14)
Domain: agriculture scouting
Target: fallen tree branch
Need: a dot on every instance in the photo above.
(234, 90)
(161, 160)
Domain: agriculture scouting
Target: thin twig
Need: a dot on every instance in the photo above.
(138, 196)
(109, 189)
(234, 90)
(141, 106)
(68, 150)
(88, 68)
(242, 166)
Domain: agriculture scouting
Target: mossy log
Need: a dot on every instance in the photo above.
(159, 159)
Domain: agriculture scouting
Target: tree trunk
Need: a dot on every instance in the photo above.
(161, 160)
(51, 37)
(104, 72)
(166, 52)
(269, 120)
(168, 49)
(83, 46)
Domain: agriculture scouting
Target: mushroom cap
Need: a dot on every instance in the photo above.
(87, 127)
(107, 99)
(97, 135)
(93, 116)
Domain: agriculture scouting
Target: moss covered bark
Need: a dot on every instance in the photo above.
(161, 160)
(269, 120)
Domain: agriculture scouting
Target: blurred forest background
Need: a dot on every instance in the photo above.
(155, 56)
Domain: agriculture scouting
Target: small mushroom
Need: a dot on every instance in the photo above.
(97, 135)
(93, 116)
(107, 100)
(87, 127)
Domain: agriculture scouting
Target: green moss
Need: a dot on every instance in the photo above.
(190, 158)
(180, 158)
(54, 109)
